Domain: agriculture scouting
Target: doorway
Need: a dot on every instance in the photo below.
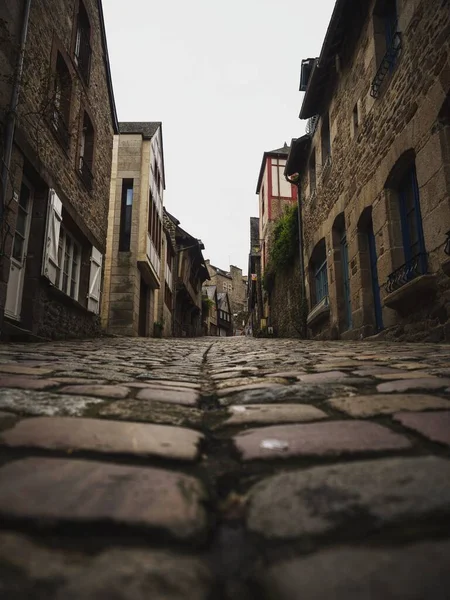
(143, 309)
(13, 305)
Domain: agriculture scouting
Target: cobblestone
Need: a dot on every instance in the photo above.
(435, 426)
(318, 439)
(95, 435)
(224, 468)
(37, 489)
(416, 572)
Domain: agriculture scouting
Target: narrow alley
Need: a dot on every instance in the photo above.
(230, 468)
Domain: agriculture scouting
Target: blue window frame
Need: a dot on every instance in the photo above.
(321, 281)
(411, 220)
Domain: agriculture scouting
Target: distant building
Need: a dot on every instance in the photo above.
(190, 273)
(210, 315)
(55, 152)
(274, 194)
(224, 316)
(235, 285)
(254, 289)
(135, 231)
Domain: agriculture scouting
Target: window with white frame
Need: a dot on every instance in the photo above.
(61, 263)
(68, 269)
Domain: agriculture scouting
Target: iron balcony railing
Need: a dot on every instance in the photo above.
(410, 270)
(387, 64)
(86, 173)
(311, 125)
(59, 126)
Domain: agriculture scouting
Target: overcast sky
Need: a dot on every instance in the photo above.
(223, 78)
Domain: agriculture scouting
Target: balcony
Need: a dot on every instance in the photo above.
(153, 256)
(319, 312)
(311, 125)
(168, 277)
(86, 173)
(410, 284)
(410, 270)
(387, 65)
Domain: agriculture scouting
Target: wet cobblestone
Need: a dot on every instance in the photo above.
(224, 468)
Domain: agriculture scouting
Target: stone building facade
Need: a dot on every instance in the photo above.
(190, 273)
(233, 283)
(374, 172)
(133, 278)
(57, 118)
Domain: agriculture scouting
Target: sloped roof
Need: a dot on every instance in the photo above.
(223, 302)
(209, 290)
(146, 129)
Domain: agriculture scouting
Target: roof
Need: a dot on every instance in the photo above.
(298, 155)
(254, 231)
(112, 102)
(223, 301)
(210, 291)
(346, 13)
(220, 271)
(146, 129)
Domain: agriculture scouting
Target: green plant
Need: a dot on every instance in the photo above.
(283, 246)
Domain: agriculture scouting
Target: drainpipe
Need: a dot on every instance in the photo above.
(300, 248)
(11, 114)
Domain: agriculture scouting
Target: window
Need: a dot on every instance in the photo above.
(68, 269)
(312, 173)
(321, 282)
(388, 42)
(125, 215)
(411, 220)
(154, 223)
(60, 101)
(318, 274)
(82, 52)
(86, 159)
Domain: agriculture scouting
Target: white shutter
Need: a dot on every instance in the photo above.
(95, 279)
(53, 226)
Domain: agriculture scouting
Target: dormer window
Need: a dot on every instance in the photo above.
(83, 51)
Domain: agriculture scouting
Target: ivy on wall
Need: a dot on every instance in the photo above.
(283, 246)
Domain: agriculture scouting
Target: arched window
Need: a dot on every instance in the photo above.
(318, 275)
(404, 193)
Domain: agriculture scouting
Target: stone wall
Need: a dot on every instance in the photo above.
(285, 305)
(407, 124)
(45, 162)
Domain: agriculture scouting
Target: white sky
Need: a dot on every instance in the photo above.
(223, 78)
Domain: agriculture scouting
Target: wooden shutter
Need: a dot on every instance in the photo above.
(95, 279)
(53, 227)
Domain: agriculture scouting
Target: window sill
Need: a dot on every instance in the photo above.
(319, 313)
(411, 292)
(65, 299)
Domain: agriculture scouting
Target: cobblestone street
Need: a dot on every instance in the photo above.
(229, 468)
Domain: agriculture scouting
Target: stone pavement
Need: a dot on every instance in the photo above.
(224, 469)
